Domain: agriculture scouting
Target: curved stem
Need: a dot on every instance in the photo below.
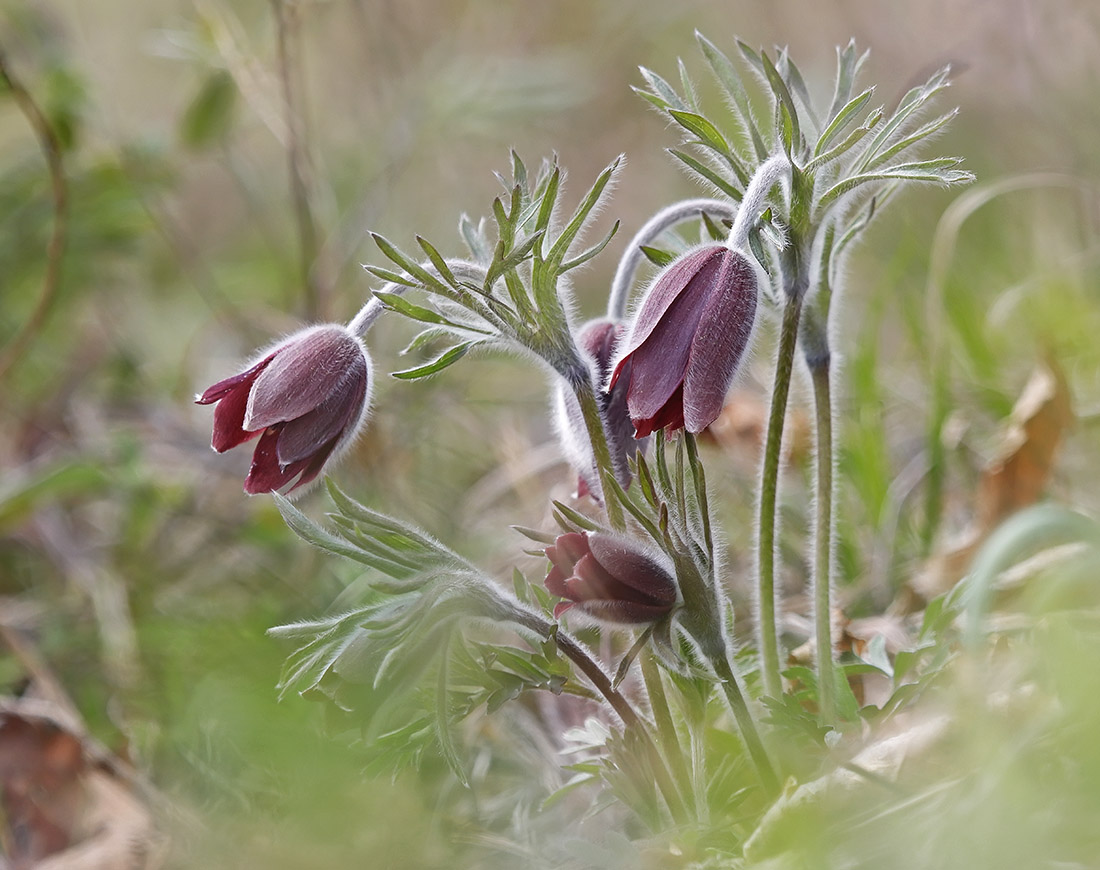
(769, 485)
(823, 543)
(664, 220)
(51, 149)
(767, 175)
(373, 307)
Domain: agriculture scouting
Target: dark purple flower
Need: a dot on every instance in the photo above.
(306, 398)
(686, 341)
(608, 579)
(597, 340)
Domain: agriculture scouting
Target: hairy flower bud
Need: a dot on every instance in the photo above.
(306, 397)
(686, 341)
(597, 340)
(608, 578)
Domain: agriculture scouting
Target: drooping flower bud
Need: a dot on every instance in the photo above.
(686, 341)
(608, 578)
(306, 397)
(597, 340)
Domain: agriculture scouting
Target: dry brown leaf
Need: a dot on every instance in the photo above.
(1014, 478)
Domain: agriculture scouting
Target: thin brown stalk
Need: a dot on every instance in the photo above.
(50, 145)
(286, 18)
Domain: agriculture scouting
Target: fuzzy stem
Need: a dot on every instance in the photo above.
(373, 308)
(631, 720)
(666, 730)
(651, 230)
(605, 466)
(767, 175)
(745, 723)
(769, 485)
(823, 542)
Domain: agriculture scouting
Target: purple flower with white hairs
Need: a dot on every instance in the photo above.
(608, 578)
(306, 397)
(687, 338)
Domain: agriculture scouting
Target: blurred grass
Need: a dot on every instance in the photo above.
(181, 259)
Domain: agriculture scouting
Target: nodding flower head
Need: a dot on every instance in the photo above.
(597, 340)
(306, 397)
(686, 341)
(609, 578)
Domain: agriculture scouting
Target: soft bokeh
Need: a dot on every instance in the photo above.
(145, 576)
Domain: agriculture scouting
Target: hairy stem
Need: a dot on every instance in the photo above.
(747, 726)
(465, 270)
(605, 466)
(51, 149)
(823, 542)
(666, 730)
(769, 485)
(651, 230)
(631, 720)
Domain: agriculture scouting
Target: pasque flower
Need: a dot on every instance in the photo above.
(609, 579)
(306, 397)
(597, 340)
(688, 336)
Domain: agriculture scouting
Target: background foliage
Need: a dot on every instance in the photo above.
(147, 580)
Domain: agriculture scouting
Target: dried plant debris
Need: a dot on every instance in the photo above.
(1014, 478)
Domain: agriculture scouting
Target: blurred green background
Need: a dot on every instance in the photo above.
(127, 548)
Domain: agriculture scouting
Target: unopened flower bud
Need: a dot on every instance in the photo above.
(686, 341)
(306, 397)
(597, 340)
(609, 578)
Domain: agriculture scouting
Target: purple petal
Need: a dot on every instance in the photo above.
(665, 290)
(623, 612)
(314, 465)
(304, 436)
(720, 341)
(633, 568)
(304, 371)
(591, 581)
(658, 365)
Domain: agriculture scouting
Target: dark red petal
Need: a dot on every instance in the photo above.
(633, 568)
(223, 388)
(623, 612)
(304, 436)
(266, 475)
(560, 608)
(669, 416)
(720, 341)
(305, 370)
(229, 430)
